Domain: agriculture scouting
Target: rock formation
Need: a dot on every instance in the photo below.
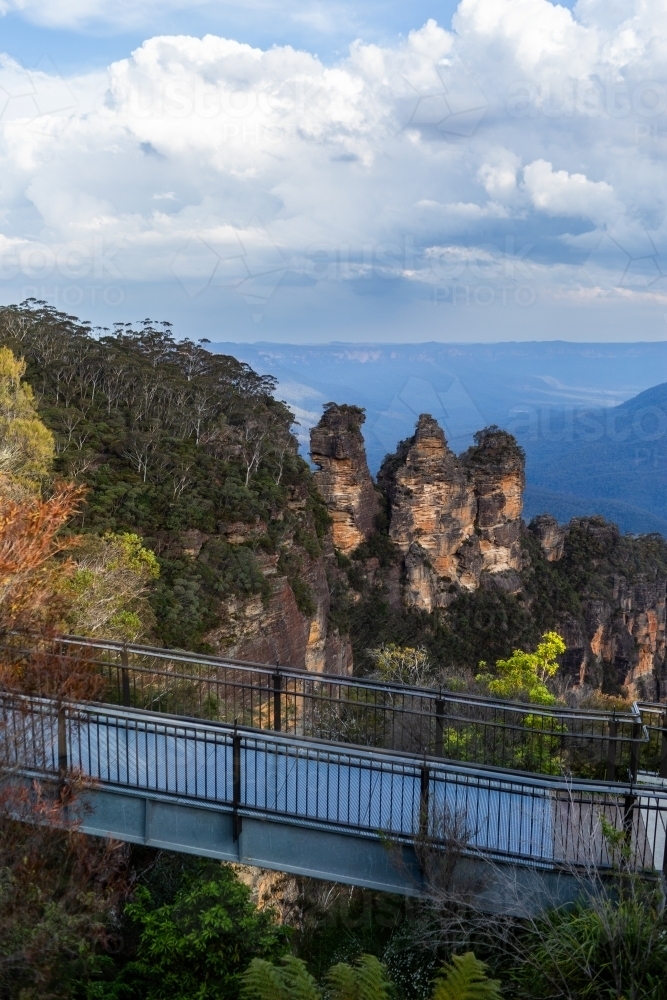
(455, 520)
(497, 467)
(433, 518)
(343, 479)
(550, 534)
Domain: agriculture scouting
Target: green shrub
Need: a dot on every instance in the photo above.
(196, 945)
(610, 947)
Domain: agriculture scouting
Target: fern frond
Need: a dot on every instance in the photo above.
(298, 981)
(465, 979)
(263, 981)
(366, 980)
(341, 982)
(372, 979)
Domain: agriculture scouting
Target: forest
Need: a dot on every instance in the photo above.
(112, 443)
(165, 437)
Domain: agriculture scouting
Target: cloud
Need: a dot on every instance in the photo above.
(498, 173)
(558, 193)
(527, 126)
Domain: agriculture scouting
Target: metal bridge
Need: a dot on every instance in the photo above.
(274, 790)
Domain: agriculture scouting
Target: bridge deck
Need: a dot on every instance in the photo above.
(367, 793)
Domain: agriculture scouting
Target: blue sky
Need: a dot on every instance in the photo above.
(308, 172)
(75, 40)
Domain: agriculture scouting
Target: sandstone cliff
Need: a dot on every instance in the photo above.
(432, 521)
(616, 638)
(337, 449)
(497, 467)
(286, 619)
(455, 520)
(456, 530)
(551, 536)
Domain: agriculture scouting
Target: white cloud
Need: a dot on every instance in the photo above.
(558, 193)
(342, 168)
(498, 173)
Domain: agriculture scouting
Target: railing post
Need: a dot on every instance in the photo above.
(631, 799)
(611, 749)
(277, 701)
(662, 770)
(125, 676)
(237, 820)
(439, 725)
(424, 783)
(62, 740)
(629, 802)
(636, 749)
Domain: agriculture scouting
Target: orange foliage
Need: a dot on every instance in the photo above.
(33, 599)
(60, 891)
(30, 596)
(44, 672)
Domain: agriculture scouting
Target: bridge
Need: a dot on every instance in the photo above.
(270, 787)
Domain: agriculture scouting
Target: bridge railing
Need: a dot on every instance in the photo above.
(359, 711)
(541, 820)
(653, 758)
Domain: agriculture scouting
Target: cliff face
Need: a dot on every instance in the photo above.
(274, 630)
(619, 640)
(550, 534)
(456, 521)
(273, 625)
(337, 449)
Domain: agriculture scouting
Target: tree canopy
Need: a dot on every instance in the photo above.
(166, 437)
(523, 675)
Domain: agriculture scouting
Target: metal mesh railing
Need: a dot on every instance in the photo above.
(368, 792)
(359, 711)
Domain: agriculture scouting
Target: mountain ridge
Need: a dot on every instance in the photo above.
(609, 457)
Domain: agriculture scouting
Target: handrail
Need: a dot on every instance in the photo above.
(367, 683)
(186, 656)
(515, 775)
(427, 720)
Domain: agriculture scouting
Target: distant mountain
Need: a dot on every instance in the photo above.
(608, 461)
(565, 506)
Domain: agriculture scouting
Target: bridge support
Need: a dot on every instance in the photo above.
(178, 825)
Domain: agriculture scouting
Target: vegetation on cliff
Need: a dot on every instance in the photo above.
(169, 438)
(188, 455)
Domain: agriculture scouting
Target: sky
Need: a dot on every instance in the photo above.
(307, 172)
